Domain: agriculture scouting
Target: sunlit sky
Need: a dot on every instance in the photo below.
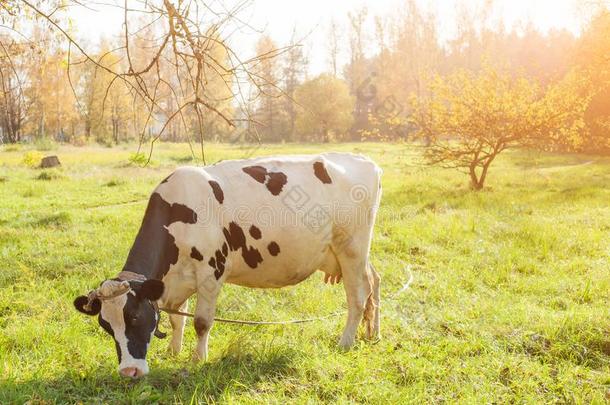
(311, 18)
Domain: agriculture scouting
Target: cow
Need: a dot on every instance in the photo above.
(263, 223)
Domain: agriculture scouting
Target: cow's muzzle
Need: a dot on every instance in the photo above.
(131, 372)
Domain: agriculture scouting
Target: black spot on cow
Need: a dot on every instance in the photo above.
(258, 173)
(320, 171)
(234, 236)
(201, 326)
(274, 249)
(94, 308)
(255, 232)
(218, 263)
(237, 241)
(217, 191)
(154, 249)
(220, 260)
(195, 254)
(274, 181)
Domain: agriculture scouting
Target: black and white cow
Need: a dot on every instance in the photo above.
(265, 223)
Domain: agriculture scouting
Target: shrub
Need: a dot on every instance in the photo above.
(114, 182)
(45, 144)
(32, 159)
(51, 174)
(12, 147)
(182, 159)
(105, 142)
(139, 159)
(55, 220)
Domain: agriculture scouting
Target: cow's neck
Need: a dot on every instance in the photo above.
(154, 250)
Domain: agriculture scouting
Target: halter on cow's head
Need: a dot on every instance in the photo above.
(128, 312)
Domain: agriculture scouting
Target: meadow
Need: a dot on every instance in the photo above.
(509, 300)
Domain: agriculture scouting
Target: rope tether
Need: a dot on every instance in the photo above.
(404, 287)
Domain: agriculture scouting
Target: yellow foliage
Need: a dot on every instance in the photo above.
(32, 159)
(470, 117)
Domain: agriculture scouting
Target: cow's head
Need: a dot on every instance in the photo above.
(126, 311)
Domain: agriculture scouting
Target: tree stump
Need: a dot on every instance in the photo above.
(49, 161)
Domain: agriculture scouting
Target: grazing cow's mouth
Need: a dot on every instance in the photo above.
(132, 372)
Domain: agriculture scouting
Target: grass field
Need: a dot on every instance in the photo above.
(510, 299)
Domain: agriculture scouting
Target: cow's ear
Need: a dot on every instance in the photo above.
(81, 302)
(151, 290)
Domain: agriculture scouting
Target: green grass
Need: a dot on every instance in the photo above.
(510, 300)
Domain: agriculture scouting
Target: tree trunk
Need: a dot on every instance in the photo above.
(478, 182)
(41, 128)
(115, 131)
(484, 174)
(88, 129)
(474, 180)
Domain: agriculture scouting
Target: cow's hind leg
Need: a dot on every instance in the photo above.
(358, 289)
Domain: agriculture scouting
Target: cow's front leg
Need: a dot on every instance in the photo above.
(177, 322)
(204, 319)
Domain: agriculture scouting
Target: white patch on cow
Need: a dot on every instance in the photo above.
(112, 312)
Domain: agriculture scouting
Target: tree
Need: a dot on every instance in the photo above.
(12, 100)
(220, 96)
(295, 68)
(327, 108)
(270, 116)
(471, 118)
(334, 37)
(52, 106)
(408, 54)
(179, 62)
(593, 56)
(358, 72)
(105, 104)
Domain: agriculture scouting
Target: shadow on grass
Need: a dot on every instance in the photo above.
(232, 373)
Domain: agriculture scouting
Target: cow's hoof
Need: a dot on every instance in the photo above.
(173, 350)
(346, 344)
(372, 336)
(198, 357)
(374, 339)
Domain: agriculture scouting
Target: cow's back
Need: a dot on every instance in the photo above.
(271, 220)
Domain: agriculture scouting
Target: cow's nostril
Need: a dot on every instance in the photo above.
(130, 372)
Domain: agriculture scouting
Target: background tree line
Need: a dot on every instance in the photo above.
(378, 86)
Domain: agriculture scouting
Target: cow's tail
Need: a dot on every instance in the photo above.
(372, 319)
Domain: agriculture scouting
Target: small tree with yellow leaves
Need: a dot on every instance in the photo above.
(470, 118)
